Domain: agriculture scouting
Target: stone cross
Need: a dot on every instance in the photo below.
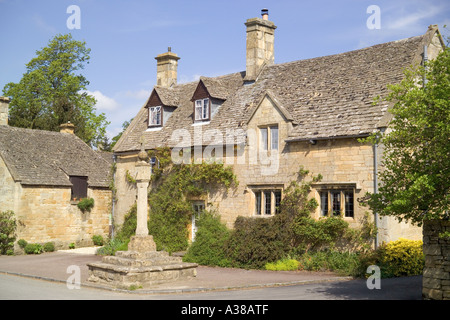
(142, 179)
(142, 242)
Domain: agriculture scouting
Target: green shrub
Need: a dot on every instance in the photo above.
(86, 204)
(72, 246)
(341, 262)
(97, 240)
(256, 241)
(7, 232)
(318, 234)
(208, 247)
(22, 243)
(49, 247)
(112, 246)
(395, 259)
(283, 265)
(33, 248)
(404, 257)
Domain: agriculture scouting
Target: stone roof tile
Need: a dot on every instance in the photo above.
(38, 157)
(326, 97)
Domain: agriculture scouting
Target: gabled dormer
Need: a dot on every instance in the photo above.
(207, 99)
(159, 107)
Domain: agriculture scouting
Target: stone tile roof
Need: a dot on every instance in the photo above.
(37, 157)
(325, 97)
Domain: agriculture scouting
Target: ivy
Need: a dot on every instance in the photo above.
(130, 178)
(172, 186)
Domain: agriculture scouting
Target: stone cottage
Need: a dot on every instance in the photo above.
(270, 119)
(43, 176)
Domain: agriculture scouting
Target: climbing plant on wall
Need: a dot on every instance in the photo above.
(172, 186)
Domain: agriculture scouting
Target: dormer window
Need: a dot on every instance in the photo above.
(202, 109)
(154, 116)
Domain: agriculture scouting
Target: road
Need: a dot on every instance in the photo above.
(408, 288)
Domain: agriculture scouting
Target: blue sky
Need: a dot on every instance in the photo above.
(208, 35)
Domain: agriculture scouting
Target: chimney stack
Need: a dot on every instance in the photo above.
(260, 44)
(4, 111)
(166, 68)
(67, 128)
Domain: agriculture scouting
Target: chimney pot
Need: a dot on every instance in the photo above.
(67, 128)
(265, 14)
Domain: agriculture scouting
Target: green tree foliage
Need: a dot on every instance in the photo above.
(415, 181)
(52, 92)
(8, 227)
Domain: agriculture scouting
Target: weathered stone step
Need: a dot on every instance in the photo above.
(127, 269)
(130, 262)
(142, 255)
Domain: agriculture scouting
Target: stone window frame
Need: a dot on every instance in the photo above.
(327, 197)
(261, 208)
(267, 143)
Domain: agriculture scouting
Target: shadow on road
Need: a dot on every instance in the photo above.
(404, 288)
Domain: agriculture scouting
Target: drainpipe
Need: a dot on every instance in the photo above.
(425, 60)
(111, 220)
(375, 186)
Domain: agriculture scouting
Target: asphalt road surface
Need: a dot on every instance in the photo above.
(407, 288)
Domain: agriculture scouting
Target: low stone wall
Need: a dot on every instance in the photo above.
(436, 274)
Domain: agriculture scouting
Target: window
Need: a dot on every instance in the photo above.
(198, 207)
(79, 187)
(277, 195)
(269, 138)
(324, 203)
(154, 116)
(337, 203)
(267, 202)
(274, 138)
(202, 109)
(349, 204)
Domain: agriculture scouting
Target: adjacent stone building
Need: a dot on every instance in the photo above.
(43, 175)
(270, 119)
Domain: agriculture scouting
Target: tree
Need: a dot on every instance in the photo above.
(52, 92)
(415, 181)
(116, 138)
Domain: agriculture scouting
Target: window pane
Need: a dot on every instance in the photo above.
(274, 137)
(277, 195)
(258, 203)
(198, 109)
(155, 115)
(158, 115)
(267, 202)
(349, 209)
(336, 202)
(264, 141)
(324, 203)
(205, 108)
